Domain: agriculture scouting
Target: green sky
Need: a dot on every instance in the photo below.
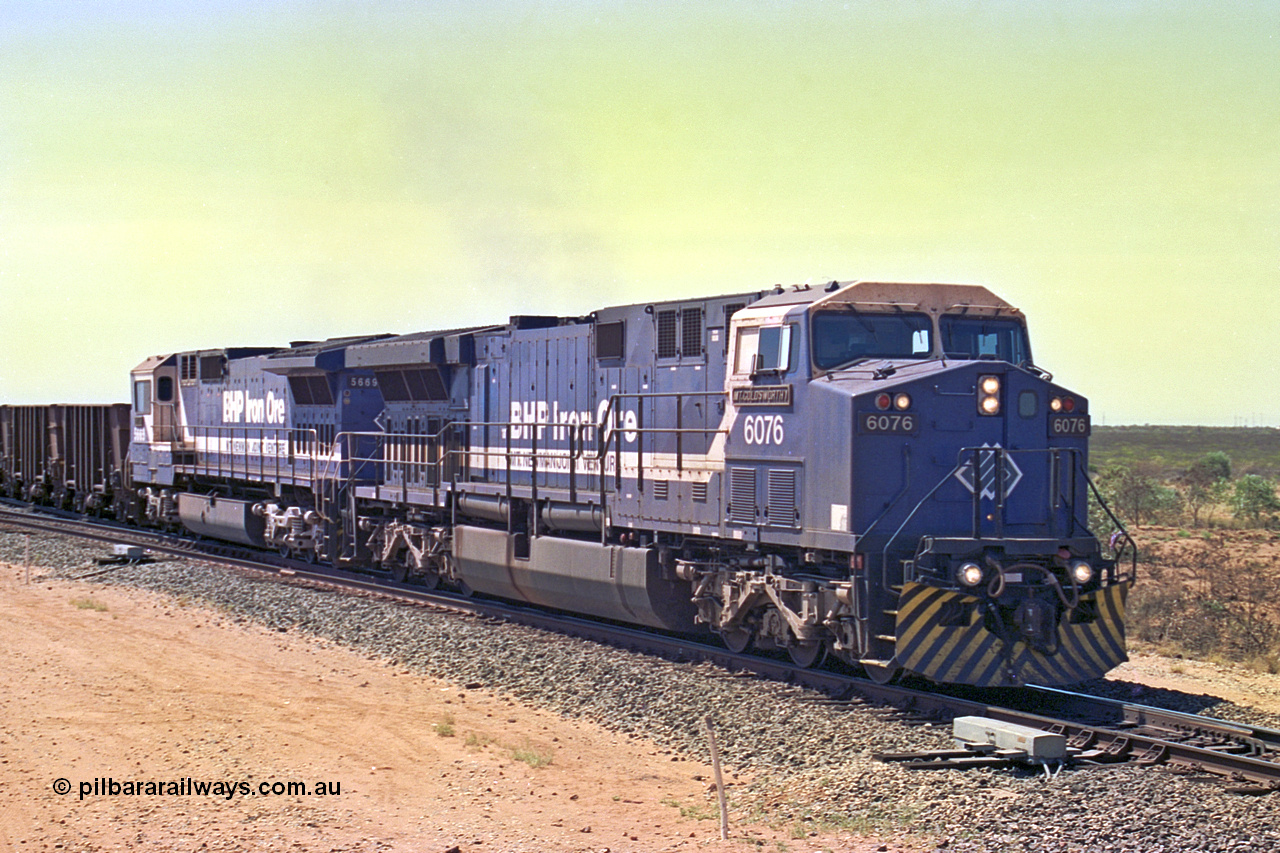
(188, 174)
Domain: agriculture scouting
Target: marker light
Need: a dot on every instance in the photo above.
(1055, 404)
(969, 574)
(902, 401)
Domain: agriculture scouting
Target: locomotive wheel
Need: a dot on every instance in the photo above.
(883, 674)
(400, 568)
(430, 580)
(463, 589)
(807, 655)
(737, 640)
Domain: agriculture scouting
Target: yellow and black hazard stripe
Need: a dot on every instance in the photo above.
(1085, 651)
(968, 653)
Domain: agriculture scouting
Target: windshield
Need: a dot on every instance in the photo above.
(842, 337)
(984, 337)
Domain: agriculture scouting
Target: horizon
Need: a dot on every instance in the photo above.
(178, 175)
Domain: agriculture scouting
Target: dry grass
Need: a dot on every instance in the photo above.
(1212, 596)
(532, 755)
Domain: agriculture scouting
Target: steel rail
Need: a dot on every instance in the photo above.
(1132, 715)
(1127, 732)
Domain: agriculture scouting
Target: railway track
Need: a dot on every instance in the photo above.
(1098, 730)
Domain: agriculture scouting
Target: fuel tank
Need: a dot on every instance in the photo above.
(608, 581)
(220, 518)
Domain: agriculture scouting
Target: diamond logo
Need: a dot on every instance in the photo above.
(1009, 475)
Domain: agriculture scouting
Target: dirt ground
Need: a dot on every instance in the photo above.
(129, 687)
(1233, 683)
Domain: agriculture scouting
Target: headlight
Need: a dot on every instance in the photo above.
(989, 395)
(1081, 571)
(969, 574)
(902, 402)
(1055, 404)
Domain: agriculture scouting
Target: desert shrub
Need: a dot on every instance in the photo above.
(1254, 501)
(1137, 496)
(1208, 602)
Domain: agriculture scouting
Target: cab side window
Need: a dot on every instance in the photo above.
(769, 349)
(142, 397)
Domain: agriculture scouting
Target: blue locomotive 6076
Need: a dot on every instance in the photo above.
(872, 470)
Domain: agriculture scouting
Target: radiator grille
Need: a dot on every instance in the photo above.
(667, 334)
(691, 332)
(782, 498)
(729, 311)
(742, 495)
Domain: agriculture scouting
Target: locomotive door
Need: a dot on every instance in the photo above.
(485, 379)
(764, 485)
(164, 405)
(1034, 475)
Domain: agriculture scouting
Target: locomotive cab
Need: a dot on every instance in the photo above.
(154, 399)
(949, 495)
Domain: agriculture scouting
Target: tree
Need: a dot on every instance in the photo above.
(1253, 498)
(1205, 483)
(1217, 464)
(1135, 492)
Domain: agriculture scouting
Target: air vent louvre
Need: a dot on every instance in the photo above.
(782, 497)
(742, 495)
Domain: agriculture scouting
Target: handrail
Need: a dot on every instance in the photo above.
(448, 451)
(293, 444)
(1125, 540)
(640, 430)
(442, 465)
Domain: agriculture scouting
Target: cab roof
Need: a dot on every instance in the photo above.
(923, 297)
